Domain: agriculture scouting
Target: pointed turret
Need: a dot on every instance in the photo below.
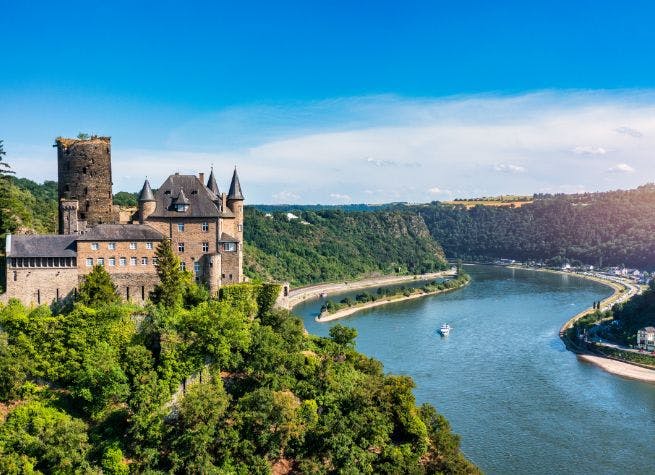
(235, 188)
(211, 183)
(146, 192)
(147, 202)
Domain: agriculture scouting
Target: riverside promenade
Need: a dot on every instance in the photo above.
(301, 294)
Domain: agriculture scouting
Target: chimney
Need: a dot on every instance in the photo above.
(201, 177)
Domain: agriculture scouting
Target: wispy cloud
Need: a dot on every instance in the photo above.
(386, 148)
(508, 168)
(621, 168)
(629, 131)
(589, 150)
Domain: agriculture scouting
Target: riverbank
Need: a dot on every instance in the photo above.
(622, 291)
(620, 368)
(345, 312)
(299, 295)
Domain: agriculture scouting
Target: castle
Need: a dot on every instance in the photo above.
(204, 225)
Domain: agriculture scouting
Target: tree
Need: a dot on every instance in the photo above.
(98, 289)
(173, 281)
(5, 168)
(343, 335)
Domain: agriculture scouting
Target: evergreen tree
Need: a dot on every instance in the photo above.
(173, 281)
(98, 289)
(5, 168)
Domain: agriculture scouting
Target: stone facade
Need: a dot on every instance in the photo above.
(41, 280)
(84, 170)
(204, 225)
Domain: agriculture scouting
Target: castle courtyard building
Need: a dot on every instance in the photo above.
(204, 225)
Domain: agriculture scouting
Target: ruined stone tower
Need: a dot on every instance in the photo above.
(84, 169)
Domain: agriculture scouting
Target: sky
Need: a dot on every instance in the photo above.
(338, 102)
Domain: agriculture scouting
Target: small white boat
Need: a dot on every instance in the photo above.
(444, 330)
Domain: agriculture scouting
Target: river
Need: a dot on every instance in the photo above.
(521, 402)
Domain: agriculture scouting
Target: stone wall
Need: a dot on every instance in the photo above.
(133, 286)
(40, 285)
(84, 170)
(230, 268)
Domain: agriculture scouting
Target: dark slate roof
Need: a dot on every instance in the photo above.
(200, 198)
(225, 237)
(211, 183)
(181, 199)
(43, 245)
(121, 232)
(235, 188)
(146, 192)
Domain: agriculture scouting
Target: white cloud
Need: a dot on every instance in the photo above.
(621, 168)
(508, 168)
(589, 150)
(385, 148)
(285, 197)
(340, 197)
(629, 131)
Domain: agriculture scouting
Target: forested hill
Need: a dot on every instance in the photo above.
(610, 228)
(319, 246)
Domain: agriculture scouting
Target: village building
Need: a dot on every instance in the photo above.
(204, 225)
(646, 338)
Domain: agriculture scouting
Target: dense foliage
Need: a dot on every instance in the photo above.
(221, 386)
(601, 229)
(331, 245)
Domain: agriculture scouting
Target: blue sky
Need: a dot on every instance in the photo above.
(338, 101)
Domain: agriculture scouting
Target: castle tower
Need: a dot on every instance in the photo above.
(235, 203)
(84, 169)
(147, 202)
(68, 219)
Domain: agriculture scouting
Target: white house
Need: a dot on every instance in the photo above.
(646, 338)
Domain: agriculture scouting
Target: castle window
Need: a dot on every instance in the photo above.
(133, 245)
(132, 261)
(240, 227)
(32, 262)
(183, 265)
(38, 262)
(229, 246)
(167, 192)
(144, 261)
(196, 267)
(155, 261)
(86, 190)
(15, 276)
(84, 170)
(111, 246)
(13, 262)
(205, 247)
(50, 262)
(180, 227)
(205, 226)
(95, 246)
(122, 262)
(148, 245)
(181, 207)
(112, 262)
(101, 261)
(180, 247)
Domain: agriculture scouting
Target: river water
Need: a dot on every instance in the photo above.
(521, 402)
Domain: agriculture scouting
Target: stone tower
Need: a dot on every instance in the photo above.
(84, 169)
(147, 202)
(235, 203)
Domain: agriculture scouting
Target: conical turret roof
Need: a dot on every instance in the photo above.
(146, 192)
(235, 188)
(182, 199)
(211, 183)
